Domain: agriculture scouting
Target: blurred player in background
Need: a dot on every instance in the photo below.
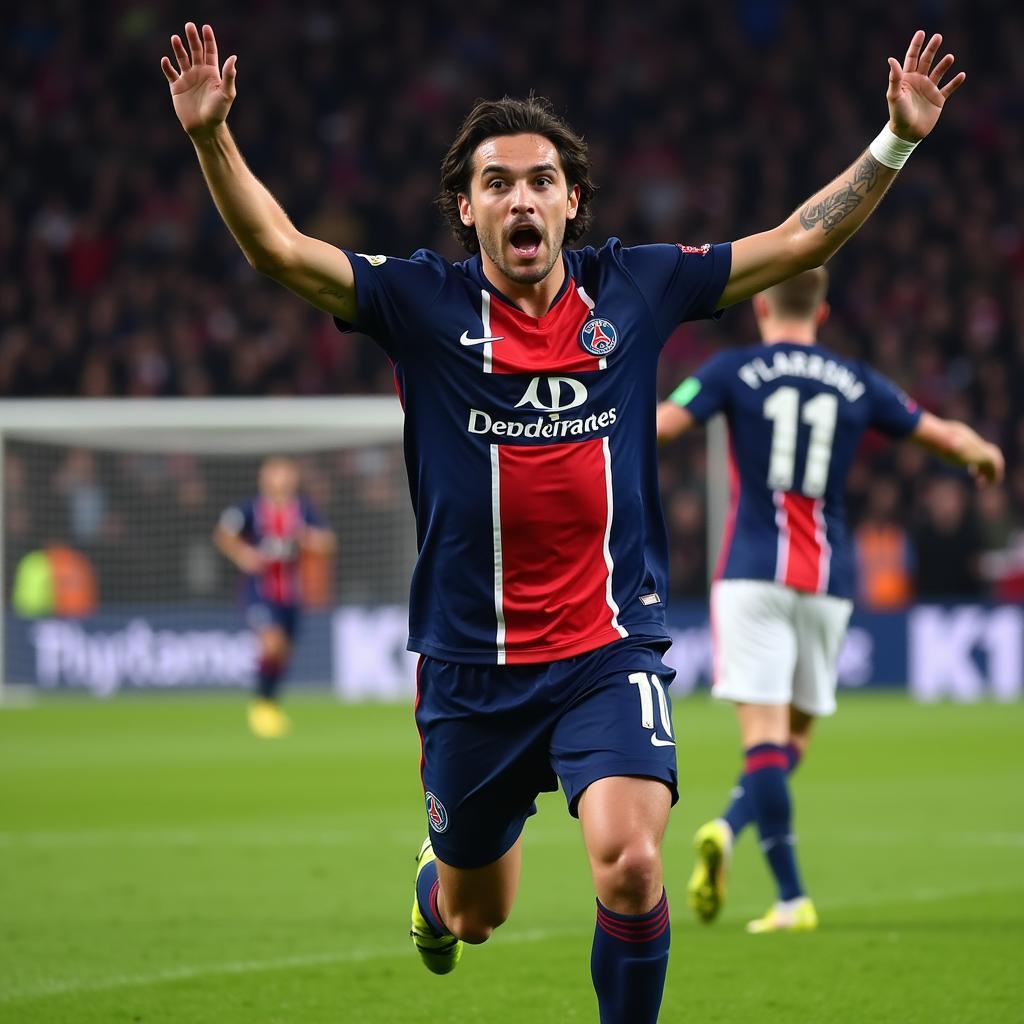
(265, 537)
(785, 581)
(527, 374)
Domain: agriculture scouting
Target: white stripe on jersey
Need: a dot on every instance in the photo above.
(602, 363)
(499, 572)
(782, 548)
(485, 319)
(607, 539)
(821, 535)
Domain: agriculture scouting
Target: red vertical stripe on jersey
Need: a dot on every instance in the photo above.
(280, 577)
(800, 559)
(554, 514)
(419, 731)
(547, 344)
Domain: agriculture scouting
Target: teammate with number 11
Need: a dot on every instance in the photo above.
(527, 373)
(782, 599)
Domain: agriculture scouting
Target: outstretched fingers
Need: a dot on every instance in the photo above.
(168, 69)
(895, 77)
(195, 43)
(180, 54)
(229, 75)
(941, 68)
(952, 85)
(914, 51)
(210, 46)
(924, 65)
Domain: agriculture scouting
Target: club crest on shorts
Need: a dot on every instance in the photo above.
(599, 337)
(436, 813)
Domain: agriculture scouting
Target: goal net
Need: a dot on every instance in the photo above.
(110, 574)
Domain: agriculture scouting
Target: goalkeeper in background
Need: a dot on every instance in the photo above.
(265, 537)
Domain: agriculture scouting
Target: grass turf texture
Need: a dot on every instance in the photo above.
(159, 864)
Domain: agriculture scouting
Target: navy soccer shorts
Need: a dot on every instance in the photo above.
(496, 736)
(261, 614)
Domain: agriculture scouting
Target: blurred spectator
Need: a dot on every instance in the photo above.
(883, 550)
(946, 543)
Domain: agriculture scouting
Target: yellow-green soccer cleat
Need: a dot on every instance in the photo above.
(441, 955)
(267, 720)
(796, 915)
(705, 891)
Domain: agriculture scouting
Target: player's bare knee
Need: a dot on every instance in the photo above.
(628, 874)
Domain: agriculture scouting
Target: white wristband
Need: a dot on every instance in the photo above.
(889, 149)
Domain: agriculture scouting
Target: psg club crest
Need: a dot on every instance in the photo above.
(599, 337)
(436, 813)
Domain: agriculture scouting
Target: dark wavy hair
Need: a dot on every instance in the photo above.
(507, 116)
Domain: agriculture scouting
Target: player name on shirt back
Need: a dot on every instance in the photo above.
(803, 364)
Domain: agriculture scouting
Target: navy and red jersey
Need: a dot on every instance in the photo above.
(276, 531)
(530, 444)
(796, 414)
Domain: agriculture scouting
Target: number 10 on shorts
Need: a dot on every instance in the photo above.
(648, 686)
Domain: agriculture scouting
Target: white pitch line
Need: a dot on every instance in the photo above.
(188, 972)
(191, 971)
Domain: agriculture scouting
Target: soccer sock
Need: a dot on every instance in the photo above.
(427, 888)
(768, 790)
(269, 678)
(740, 813)
(628, 963)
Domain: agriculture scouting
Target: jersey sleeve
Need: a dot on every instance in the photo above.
(707, 391)
(394, 296)
(237, 519)
(893, 411)
(679, 282)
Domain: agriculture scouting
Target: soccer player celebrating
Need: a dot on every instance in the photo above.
(265, 537)
(782, 599)
(527, 374)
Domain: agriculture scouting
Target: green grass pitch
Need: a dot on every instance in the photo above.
(158, 864)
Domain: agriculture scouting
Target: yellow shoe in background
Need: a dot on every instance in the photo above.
(796, 915)
(705, 891)
(267, 720)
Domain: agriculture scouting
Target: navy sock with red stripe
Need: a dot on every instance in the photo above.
(740, 813)
(269, 678)
(427, 887)
(628, 963)
(768, 790)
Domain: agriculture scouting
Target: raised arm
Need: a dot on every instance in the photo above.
(202, 93)
(673, 420)
(230, 544)
(811, 234)
(958, 443)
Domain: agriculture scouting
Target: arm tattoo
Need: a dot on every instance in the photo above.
(834, 208)
(332, 291)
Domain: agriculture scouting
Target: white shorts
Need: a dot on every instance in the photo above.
(776, 645)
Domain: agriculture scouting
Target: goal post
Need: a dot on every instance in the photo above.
(133, 488)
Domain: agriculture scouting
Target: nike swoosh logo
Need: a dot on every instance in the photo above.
(467, 340)
(655, 742)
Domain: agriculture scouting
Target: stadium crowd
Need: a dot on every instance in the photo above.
(705, 122)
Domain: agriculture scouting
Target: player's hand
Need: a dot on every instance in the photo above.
(201, 93)
(915, 95)
(250, 561)
(990, 467)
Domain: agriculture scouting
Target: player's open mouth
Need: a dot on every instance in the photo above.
(526, 242)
